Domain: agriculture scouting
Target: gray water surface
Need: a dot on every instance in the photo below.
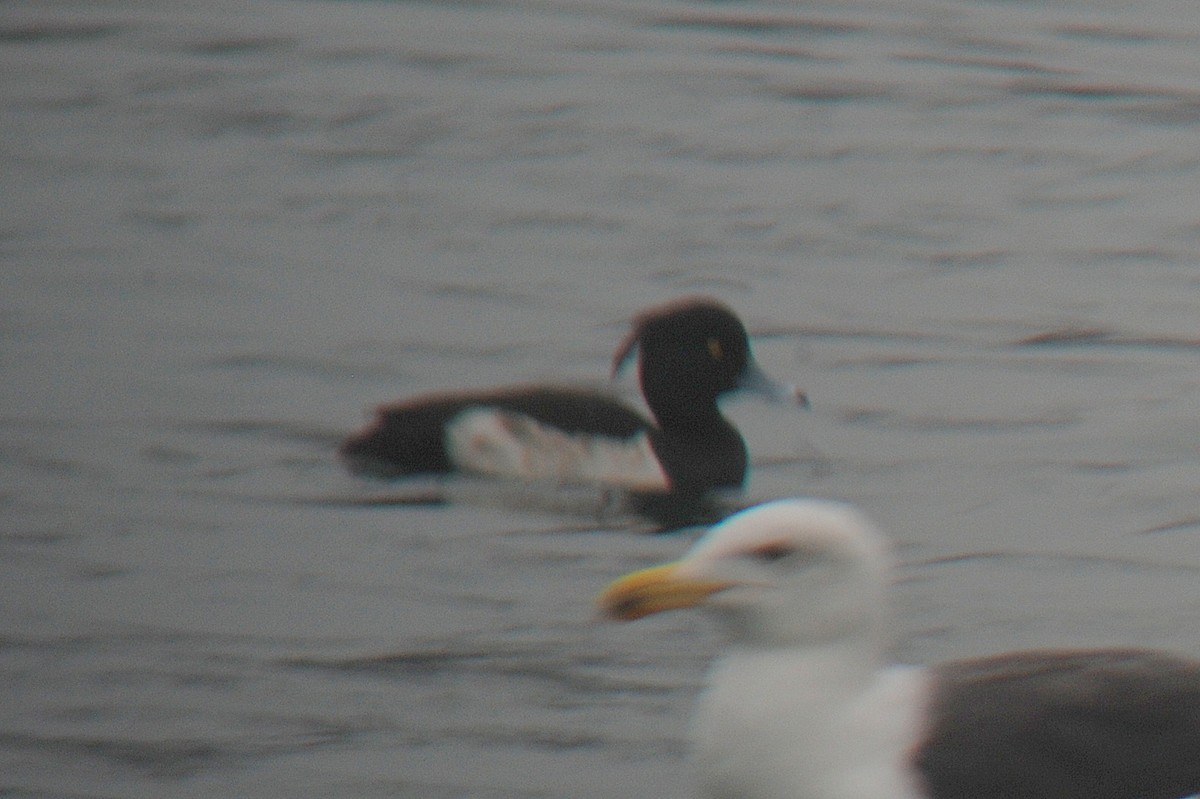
(971, 230)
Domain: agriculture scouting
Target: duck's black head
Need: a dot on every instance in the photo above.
(690, 352)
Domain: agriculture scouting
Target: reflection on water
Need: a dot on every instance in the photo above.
(967, 229)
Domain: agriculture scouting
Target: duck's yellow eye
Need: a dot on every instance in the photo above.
(714, 349)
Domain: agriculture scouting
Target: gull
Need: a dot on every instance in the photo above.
(802, 703)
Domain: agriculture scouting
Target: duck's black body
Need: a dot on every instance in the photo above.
(409, 437)
(690, 352)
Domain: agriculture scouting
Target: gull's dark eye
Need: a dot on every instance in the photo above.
(769, 553)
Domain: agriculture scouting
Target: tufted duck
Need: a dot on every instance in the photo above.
(690, 352)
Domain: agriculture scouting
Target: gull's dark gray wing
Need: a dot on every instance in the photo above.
(1104, 724)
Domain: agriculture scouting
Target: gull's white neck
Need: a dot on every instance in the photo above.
(813, 722)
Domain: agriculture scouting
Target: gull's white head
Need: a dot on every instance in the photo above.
(792, 572)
